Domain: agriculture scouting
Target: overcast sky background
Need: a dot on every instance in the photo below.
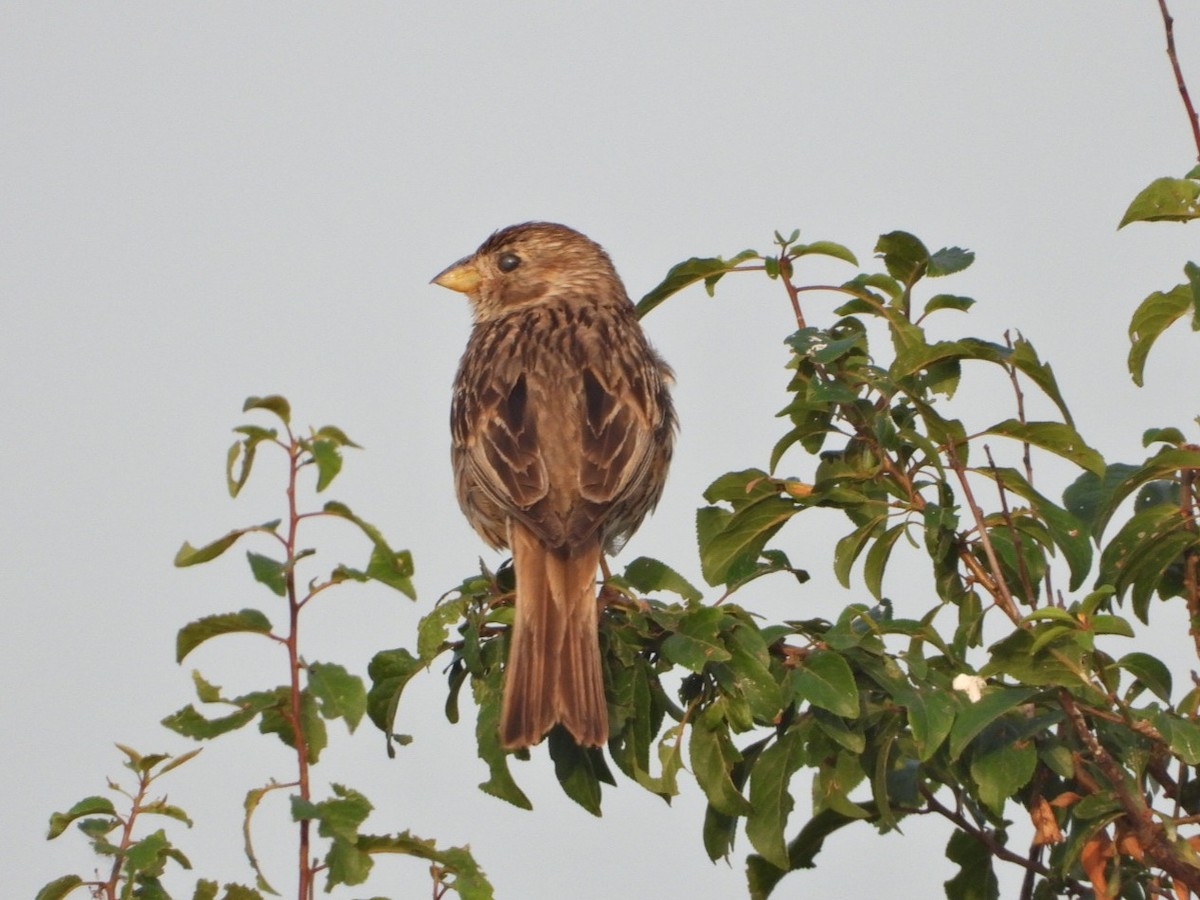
(205, 201)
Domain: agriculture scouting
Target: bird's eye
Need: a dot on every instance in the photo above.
(508, 261)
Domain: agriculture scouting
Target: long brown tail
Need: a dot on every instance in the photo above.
(554, 672)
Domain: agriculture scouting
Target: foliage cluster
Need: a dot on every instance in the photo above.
(1049, 718)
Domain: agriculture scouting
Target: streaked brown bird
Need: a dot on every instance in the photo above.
(562, 428)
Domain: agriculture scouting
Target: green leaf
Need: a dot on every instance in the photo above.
(338, 693)
(190, 723)
(692, 652)
(500, 783)
(240, 892)
(469, 880)
(708, 269)
(1097, 502)
(1182, 736)
(250, 805)
(1165, 199)
(195, 633)
(1056, 437)
(338, 819)
(150, 853)
(650, 576)
(1152, 317)
(177, 761)
(59, 888)
(277, 719)
(849, 547)
(976, 716)
(713, 756)
(328, 458)
(930, 717)
(1139, 554)
(905, 257)
(1108, 624)
(1171, 436)
(387, 566)
(335, 434)
(748, 672)
(771, 798)
(948, 301)
(1070, 534)
(389, 671)
(88, 806)
(877, 559)
(579, 770)
(741, 488)
(434, 627)
(1003, 771)
(825, 248)
(731, 543)
(1150, 671)
(245, 450)
(949, 260)
(190, 556)
(976, 879)
(696, 641)
(1022, 357)
(268, 571)
(824, 679)
(272, 403)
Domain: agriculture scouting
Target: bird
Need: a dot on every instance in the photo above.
(562, 429)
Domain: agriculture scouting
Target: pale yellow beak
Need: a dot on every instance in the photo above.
(462, 276)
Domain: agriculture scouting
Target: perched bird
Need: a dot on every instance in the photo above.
(562, 428)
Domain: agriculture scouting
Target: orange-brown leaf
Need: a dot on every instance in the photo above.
(1128, 843)
(1066, 798)
(1095, 855)
(1045, 825)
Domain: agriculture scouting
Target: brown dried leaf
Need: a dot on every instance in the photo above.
(1128, 843)
(1095, 855)
(1066, 798)
(1045, 825)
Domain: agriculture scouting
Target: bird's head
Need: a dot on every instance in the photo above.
(522, 264)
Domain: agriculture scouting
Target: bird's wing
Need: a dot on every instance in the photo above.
(501, 444)
(558, 444)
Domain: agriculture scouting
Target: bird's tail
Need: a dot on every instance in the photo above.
(554, 673)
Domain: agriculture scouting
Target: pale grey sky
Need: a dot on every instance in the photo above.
(207, 201)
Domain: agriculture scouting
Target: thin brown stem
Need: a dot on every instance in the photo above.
(305, 885)
(1169, 28)
(1018, 546)
(109, 887)
(785, 270)
(1002, 594)
(988, 839)
(1026, 455)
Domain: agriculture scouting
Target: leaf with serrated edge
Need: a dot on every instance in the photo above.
(1165, 199)
(272, 403)
(195, 633)
(338, 693)
(59, 888)
(689, 272)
